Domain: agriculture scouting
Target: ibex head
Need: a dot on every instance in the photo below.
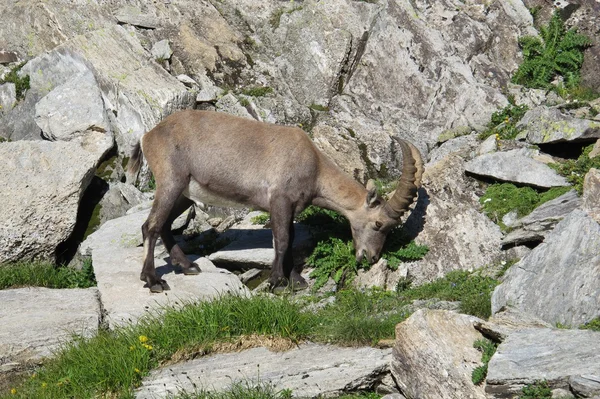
(372, 222)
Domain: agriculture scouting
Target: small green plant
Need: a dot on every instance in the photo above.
(258, 91)
(263, 218)
(500, 199)
(319, 107)
(21, 83)
(575, 170)
(504, 122)
(241, 390)
(593, 325)
(538, 390)
(557, 51)
(46, 274)
(487, 349)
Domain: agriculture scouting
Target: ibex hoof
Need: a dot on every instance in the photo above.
(159, 287)
(193, 270)
(298, 283)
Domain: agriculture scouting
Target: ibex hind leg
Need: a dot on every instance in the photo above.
(291, 272)
(177, 255)
(282, 218)
(166, 196)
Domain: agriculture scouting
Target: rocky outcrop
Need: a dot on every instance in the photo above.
(124, 297)
(434, 356)
(310, 370)
(43, 184)
(565, 359)
(559, 280)
(544, 125)
(516, 166)
(45, 319)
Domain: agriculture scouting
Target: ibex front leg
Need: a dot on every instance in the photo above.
(282, 219)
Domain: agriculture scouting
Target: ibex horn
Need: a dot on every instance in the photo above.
(410, 181)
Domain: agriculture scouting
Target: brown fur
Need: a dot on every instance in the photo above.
(270, 167)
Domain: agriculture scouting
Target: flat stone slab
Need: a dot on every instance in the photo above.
(117, 259)
(516, 166)
(556, 356)
(543, 125)
(309, 371)
(559, 280)
(36, 321)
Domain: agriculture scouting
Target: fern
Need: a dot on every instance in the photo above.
(557, 51)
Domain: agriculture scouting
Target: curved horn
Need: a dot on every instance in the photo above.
(410, 181)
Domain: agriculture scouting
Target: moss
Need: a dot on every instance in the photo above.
(94, 221)
(106, 168)
(257, 91)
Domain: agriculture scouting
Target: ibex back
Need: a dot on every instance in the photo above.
(219, 159)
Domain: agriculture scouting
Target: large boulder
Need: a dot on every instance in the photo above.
(543, 125)
(448, 220)
(565, 359)
(310, 370)
(434, 356)
(37, 321)
(518, 166)
(559, 281)
(43, 184)
(124, 297)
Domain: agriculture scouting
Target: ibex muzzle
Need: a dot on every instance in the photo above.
(219, 159)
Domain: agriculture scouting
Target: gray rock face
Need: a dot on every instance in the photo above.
(543, 125)
(71, 109)
(516, 166)
(119, 198)
(536, 225)
(447, 219)
(36, 321)
(591, 194)
(564, 358)
(123, 294)
(311, 370)
(8, 97)
(133, 15)
(434, 355)
(559, 281)
(42, 185)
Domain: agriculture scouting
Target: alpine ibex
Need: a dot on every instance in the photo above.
(219, 159)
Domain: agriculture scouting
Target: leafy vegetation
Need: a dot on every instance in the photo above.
(539, 390)
(21, 83)
(487, 349)
(257, 91)
(557, 52)
(263, 218)
(575, 170)
(241, 390)
(45, 274)
(593, 325)
(504, 122)
(500, 199)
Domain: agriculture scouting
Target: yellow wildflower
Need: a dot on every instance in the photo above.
(132, 348)
(44, 385)
(136, 370)
(13, 391)
(143, 338)
(149, 347)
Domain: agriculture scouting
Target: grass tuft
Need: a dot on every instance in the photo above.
(575, 170)
(487, 349)
(46, 274)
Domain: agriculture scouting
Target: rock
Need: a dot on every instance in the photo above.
(525, 96)
(8, 97)
(343, 149)
(559, 280)
(36, 322)
(252, 246)
(591, 194)
(447, 219)
(132, 15)
(555, 356)
(585, 385)
(249, 275)
(43, 183)
(489, 145)
(515, 166)
(463, 145)
(8, 57)
(310, 370)
(434, 355)
(72, 109)
(162, 50)
(119, 198)
(507, 321)
(535, 226)
(544, 125)
(123, 294)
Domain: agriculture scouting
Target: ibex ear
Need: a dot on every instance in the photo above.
(372, 198)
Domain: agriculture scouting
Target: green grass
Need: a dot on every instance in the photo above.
(487, 349)
(575, 170)
(241, 390)
(504, 122)
(593, 325)
(45, 274)
(113, 363)
(257, 91)
(473, 290)
(500, 199)
(539, 390)
(263, 218)
(21, 83)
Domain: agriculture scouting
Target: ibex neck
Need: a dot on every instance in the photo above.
(338, 191)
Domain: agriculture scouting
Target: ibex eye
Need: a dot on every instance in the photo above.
(378, 225)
